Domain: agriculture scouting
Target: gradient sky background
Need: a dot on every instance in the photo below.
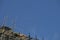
(40, 17)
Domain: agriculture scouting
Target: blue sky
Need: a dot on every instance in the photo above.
(38, 17)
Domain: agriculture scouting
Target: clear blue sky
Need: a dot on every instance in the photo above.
(40, 17)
